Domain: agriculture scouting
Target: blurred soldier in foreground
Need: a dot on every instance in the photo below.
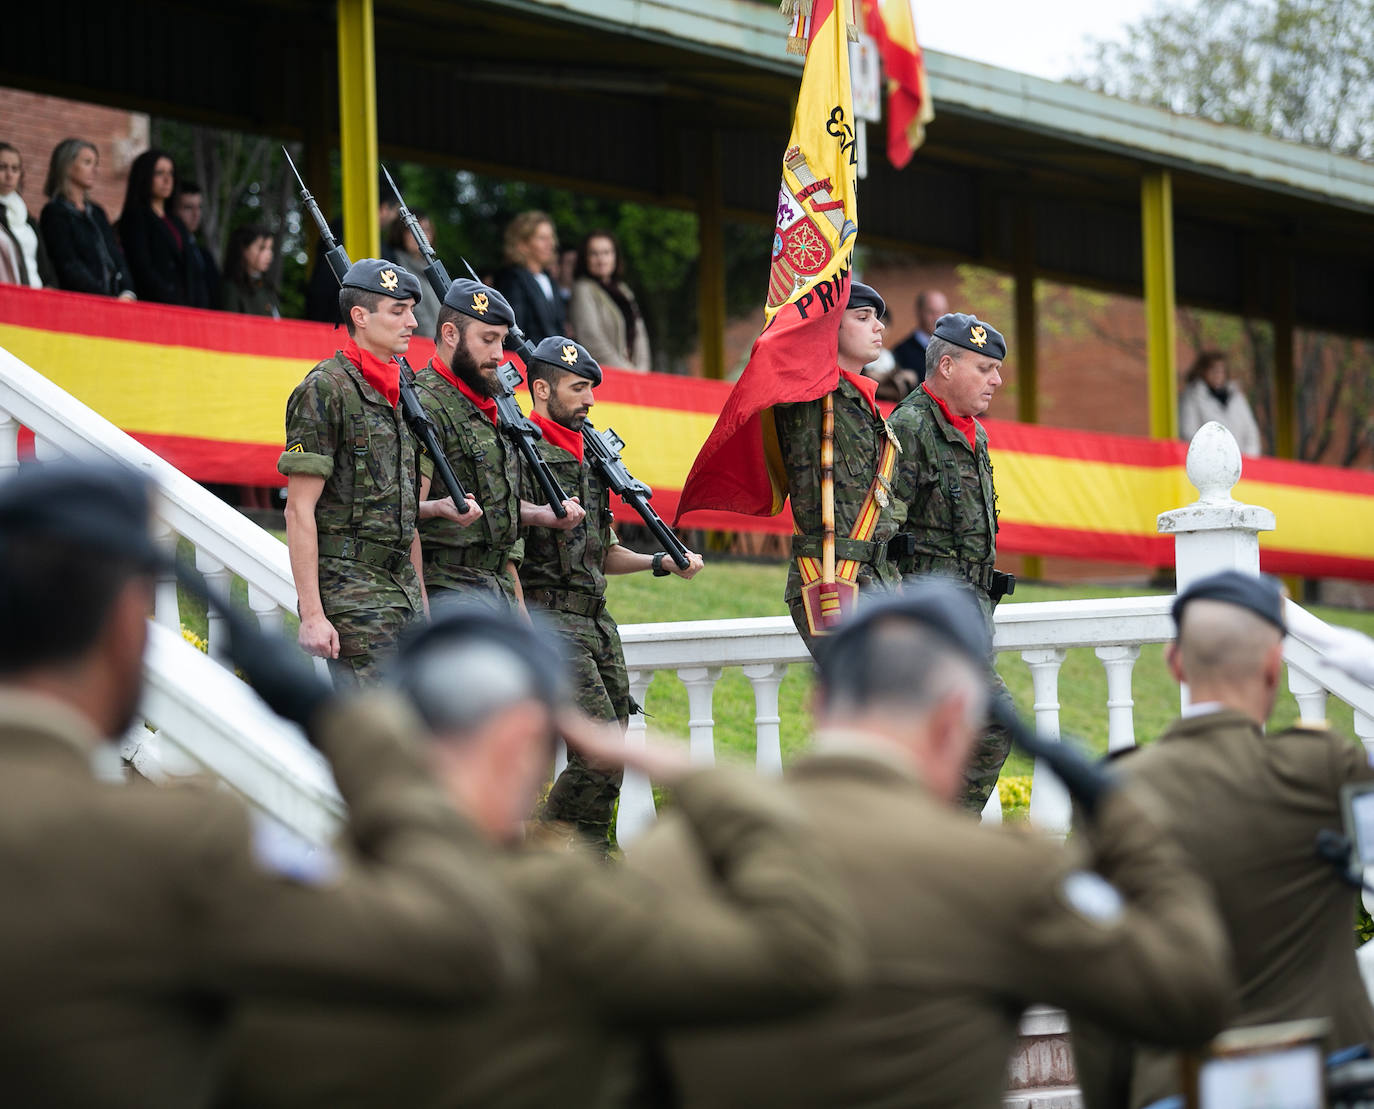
(458, 389)
(865, 457)
(351, 494)
(964, 925)
(618, 952)
(135, 917)
(564, 573)
(944, 482)
(1247, 807)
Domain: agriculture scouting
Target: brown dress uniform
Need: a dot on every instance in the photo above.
(964, 927)
(619, 953)
(137, 917)
(1247, 808)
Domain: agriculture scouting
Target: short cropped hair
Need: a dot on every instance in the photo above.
(461, 320)
(350, 298)
(55, 598)
(900, 666)
(936, 349)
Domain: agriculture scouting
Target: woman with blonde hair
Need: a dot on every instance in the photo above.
(531, 246)
(75, 228)
(19, 230)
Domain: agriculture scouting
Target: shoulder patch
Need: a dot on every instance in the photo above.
(279, 850)
(1093, 897)
(295, 448)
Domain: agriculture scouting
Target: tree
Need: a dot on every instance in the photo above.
(1300, 70)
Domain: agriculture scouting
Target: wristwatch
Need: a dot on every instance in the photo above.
(659, 570)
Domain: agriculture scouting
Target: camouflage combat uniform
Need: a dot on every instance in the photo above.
(859, 437)
(563, 573)
(951, 517)
(340, 428)
(471, 560)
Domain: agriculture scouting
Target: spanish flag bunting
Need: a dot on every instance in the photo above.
(909, 107)
(739, 468)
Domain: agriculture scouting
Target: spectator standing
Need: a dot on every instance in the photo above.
(31, 265)
(322, 291)
(155, 241)
(908, 367)
(602, 311)
(1208, 395)
(247, 259)
(531, 246)
(405, 252)
(189, 205)
(76, 231)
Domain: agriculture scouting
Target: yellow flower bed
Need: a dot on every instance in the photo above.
(1014, 791)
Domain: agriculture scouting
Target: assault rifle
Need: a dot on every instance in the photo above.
(603, 448)
(411, 409)
(511, 421)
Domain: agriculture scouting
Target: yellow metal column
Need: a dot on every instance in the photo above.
(1285, 388)
(1027, 344)
(711, 259)
(1157, 232)
(358, 128)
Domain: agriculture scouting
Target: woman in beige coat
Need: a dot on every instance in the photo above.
(602, 313)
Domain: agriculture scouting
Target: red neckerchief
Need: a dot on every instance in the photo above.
(966, 425)
(559, 436)
(484, 405)
(866, 385)
(385, 377)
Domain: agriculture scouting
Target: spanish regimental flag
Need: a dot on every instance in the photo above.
(739, 468)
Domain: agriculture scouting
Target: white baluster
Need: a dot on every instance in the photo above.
(268, 612)
(9, 444)
(166, 607)
(1364, 731)
(45, 450)
(701, 687)
(636, 812)
(1119, 662)
(992, 811)
(766, 678)
(1309, 694)
(1049, 805)
(216, 630)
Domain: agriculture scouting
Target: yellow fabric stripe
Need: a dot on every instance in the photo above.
(1322, 521)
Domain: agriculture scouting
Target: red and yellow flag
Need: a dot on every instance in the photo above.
(909, 107)
(739, 468)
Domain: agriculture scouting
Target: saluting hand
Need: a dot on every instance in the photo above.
(604, 745)
(317, 637)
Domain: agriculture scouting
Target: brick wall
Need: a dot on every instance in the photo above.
(36, 124)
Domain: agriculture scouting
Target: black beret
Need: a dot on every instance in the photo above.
(865, 296)
(1259, 593)
(98, 506)
(945, 608)
(479, 301)
(564, 354)
(377, 275)
(971, 333)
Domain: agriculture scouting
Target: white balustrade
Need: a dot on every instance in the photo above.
(766, 678)
(1119, 663)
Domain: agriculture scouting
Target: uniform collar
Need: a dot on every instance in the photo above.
(385, 377)
(867, 387)
(34, 723)
(484, 405)
(1192, 727)
(966, 426)
(559, 436)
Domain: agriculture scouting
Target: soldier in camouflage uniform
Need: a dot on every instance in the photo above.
(474, 553)
(352, 499)
(564, 572)
(860, 433)
(944, 479)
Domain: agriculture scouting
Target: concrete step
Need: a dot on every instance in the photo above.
(1040, 1073)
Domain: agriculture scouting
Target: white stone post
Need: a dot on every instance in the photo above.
(766, 678)
(1216, 532)
(1050, 807)
(701, 727)
(635, 813)
(9, 444)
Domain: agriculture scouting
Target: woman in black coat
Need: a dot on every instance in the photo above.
(155, 241)
(80, 243)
